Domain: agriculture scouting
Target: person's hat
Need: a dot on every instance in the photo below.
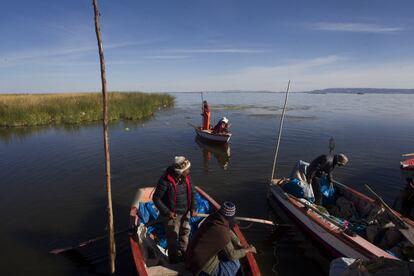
(225, 120)
(228, 209)
(342, 159)
(181, 164)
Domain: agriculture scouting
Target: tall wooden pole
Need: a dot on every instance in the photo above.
(280, 131)
(111, 236)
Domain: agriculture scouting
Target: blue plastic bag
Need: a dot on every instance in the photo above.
(328, 193)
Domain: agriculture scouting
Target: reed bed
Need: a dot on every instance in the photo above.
(75, 108)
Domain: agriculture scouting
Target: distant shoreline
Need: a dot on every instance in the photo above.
(350, 91)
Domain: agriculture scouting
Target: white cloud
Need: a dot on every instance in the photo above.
(354, 27)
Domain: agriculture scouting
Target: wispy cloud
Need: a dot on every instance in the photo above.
(167, 57)
(54, 54)
(354, 27)
(307, 74)
(217, 51)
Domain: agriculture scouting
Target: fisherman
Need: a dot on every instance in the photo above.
(215, 249)
(206, 116)
(222, 126)
(174, 197)
(323, 165)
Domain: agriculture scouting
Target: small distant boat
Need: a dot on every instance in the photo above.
(151, 259)
(333, 234)
(210, 136)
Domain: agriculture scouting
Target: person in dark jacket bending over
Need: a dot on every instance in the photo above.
(323, 165)
(175, 199)
(215, 250)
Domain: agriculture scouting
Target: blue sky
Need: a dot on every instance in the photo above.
(194, 45)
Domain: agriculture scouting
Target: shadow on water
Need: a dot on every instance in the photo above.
(91, 259)
(292, 246)
(220, 152)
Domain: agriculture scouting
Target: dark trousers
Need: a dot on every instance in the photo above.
(177, 231)
(316, 187)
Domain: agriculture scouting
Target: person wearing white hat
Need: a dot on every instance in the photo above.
(174, 197)
(222, 126)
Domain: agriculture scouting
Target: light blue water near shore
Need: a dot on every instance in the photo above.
(52, 189)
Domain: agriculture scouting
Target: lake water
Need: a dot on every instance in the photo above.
(52, 186)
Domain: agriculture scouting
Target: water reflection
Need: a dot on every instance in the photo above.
(220, 152)
(10, 134)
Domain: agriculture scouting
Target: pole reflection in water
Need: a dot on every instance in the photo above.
(220, 152)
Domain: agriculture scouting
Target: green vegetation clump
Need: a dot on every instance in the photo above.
(75, 108)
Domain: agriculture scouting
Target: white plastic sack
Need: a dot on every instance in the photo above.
(299, 172)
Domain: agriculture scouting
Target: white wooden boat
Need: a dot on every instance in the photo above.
(210, 136)
(334, 236)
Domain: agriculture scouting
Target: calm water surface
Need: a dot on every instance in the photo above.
(52, 188)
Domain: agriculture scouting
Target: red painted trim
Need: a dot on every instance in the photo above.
(138, 259)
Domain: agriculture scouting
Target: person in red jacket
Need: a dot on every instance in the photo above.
(206, 116)
(174, 197)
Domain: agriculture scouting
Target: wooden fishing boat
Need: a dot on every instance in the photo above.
(210, 136)
(151, 259)
(334, 235)
(407, 168)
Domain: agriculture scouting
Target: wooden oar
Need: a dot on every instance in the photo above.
(407, 154)
(263, 221)
(405, 229)
(87, 242)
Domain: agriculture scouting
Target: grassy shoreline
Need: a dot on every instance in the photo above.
(75, 108)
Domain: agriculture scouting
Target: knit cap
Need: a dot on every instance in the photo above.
(228, 209)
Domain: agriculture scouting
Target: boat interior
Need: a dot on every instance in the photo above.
(150, 235)
(365, 217)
